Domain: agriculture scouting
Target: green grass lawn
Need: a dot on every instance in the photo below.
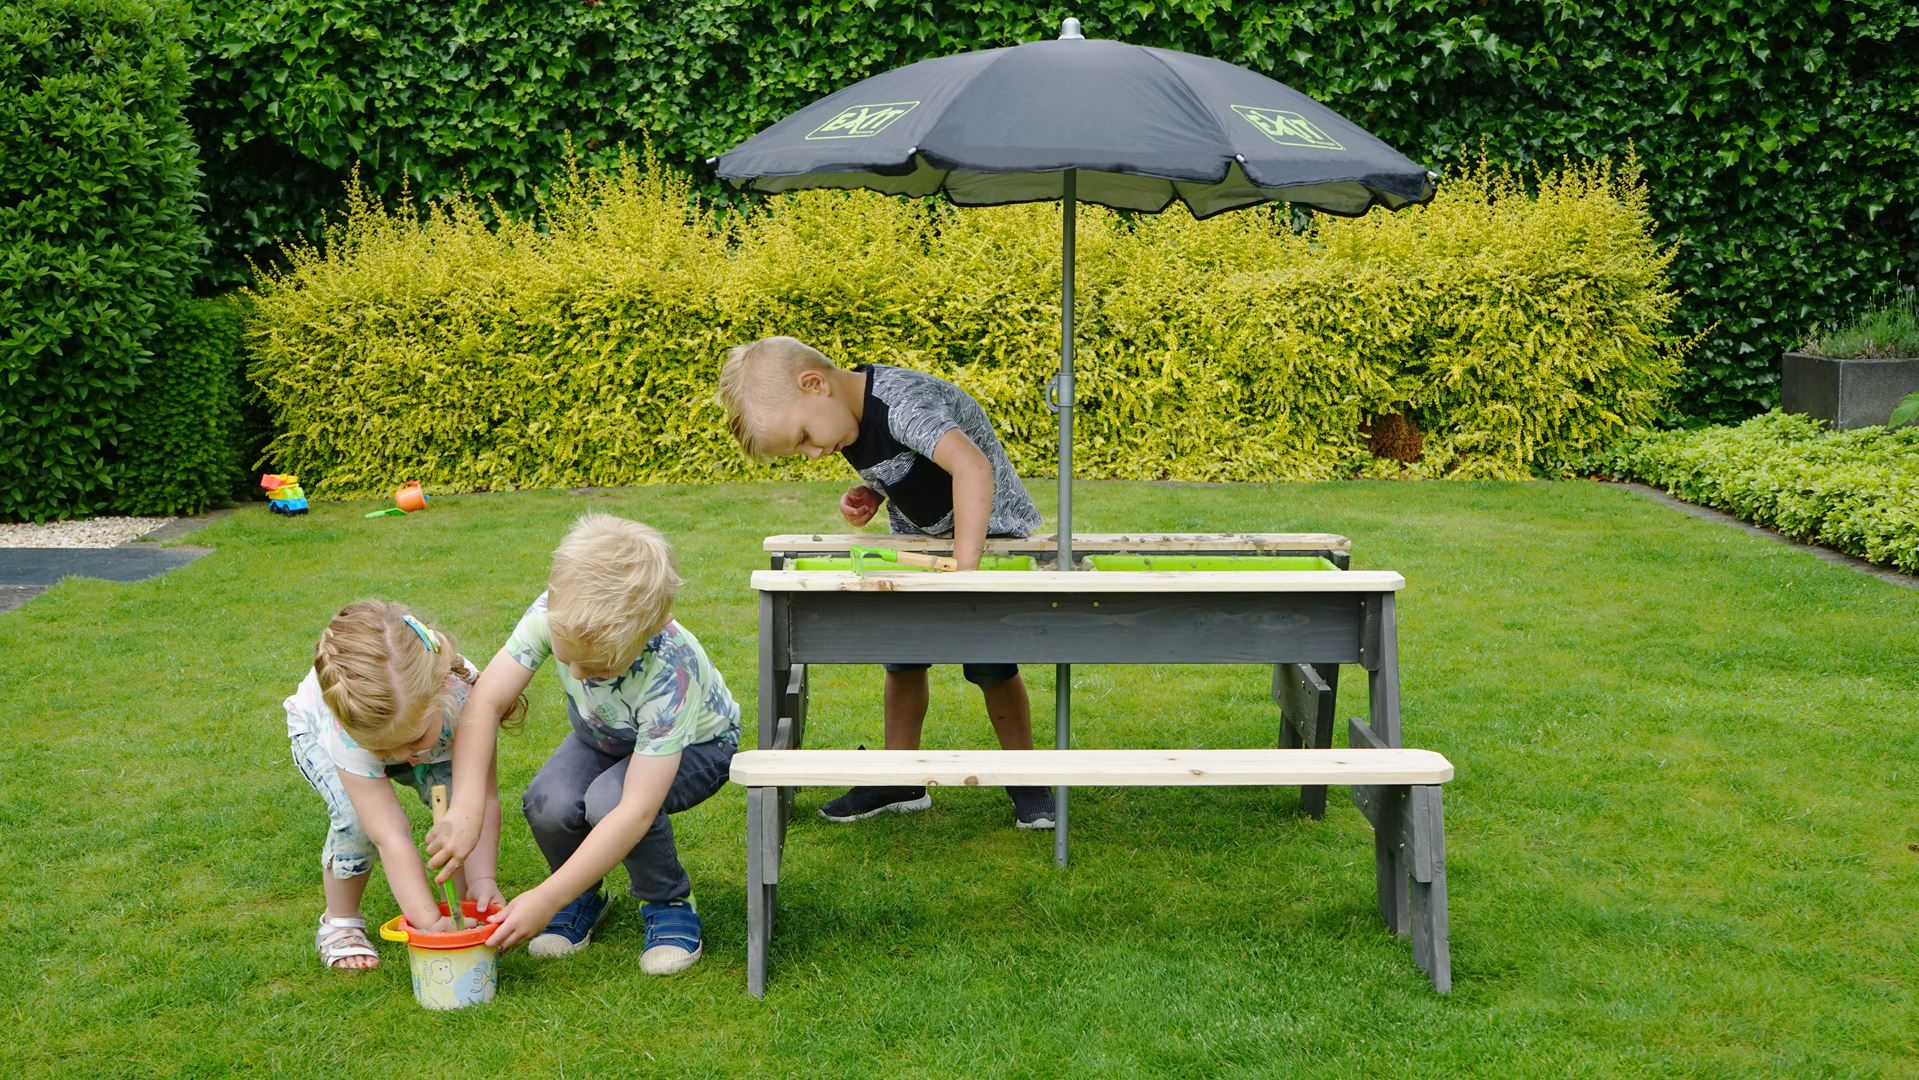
(1683, 838)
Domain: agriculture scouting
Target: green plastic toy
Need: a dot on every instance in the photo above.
(899, 558)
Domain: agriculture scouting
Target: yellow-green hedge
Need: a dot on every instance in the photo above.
(1519, 324)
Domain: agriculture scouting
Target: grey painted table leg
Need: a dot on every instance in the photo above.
(1386, 808)
(1389, 862)
(1409, 846)
(782, 719)
(774, 611)
(789, 732)
(1380, 652)
(1306, 694)
(1426, 898)
(797, 701)
(1062, 740)
(1380, 645)
(759, 895)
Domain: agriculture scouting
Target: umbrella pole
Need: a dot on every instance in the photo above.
(1063, 382)
(1063, 397)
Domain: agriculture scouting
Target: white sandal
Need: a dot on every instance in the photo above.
(342, 939)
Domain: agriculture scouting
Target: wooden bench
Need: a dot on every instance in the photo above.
(1397, 789)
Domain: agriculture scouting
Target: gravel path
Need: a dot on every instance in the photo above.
(100, 532)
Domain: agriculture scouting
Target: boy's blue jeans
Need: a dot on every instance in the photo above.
(580, 784)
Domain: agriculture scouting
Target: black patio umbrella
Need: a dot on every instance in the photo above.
(1125, 126)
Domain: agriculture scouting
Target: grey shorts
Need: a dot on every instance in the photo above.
(980, 675)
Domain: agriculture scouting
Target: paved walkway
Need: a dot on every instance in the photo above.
(27, 572)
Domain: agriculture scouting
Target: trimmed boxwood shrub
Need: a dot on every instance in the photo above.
(183, 451)
(1519, 328)
(1857, 490)
(98, 239)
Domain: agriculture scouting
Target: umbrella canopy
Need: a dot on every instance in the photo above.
(1125, 126)
(1141, 127)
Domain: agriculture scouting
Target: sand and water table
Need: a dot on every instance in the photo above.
(1284, 600)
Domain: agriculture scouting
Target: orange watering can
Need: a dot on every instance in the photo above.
(409, 497)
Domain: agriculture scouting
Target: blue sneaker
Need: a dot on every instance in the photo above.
(572, 926)
(672, 937)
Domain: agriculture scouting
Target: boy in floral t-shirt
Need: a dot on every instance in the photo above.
(653, 733)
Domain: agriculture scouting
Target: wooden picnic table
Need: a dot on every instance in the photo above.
(1303, 623)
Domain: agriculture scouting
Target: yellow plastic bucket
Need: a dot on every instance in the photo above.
(450, 970)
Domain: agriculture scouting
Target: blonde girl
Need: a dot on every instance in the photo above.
(380, 707)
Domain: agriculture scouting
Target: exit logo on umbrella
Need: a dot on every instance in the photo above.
(1287, 128)
(861, 121)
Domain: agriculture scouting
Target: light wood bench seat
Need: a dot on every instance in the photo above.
(1398, 790)
(1087, 768)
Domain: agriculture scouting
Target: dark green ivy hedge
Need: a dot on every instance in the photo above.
(1779, 136)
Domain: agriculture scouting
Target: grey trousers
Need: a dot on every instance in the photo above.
(580, 784)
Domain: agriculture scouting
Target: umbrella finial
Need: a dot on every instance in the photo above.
(1069, 31)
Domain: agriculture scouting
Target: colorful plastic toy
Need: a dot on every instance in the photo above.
(283, 494)
(899, 558)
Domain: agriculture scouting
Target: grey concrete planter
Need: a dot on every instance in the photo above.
(1845, 393)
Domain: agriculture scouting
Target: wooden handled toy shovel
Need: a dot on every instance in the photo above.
(901, 558)
(452, 898)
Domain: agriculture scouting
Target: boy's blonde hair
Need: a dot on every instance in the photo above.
(612, 588)
(759, 380)
(379, 676)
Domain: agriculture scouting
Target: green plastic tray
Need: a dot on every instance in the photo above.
(844, 562)
(1208, 562)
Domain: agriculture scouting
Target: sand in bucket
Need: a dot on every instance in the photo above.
(450, 970)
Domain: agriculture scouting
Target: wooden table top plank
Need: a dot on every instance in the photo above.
(1083, 543)
(1081, 581)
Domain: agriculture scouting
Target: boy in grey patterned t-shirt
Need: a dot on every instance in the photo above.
(925, 448)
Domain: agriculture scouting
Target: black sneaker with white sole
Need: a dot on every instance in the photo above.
(866, 802)
(1032, 807)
